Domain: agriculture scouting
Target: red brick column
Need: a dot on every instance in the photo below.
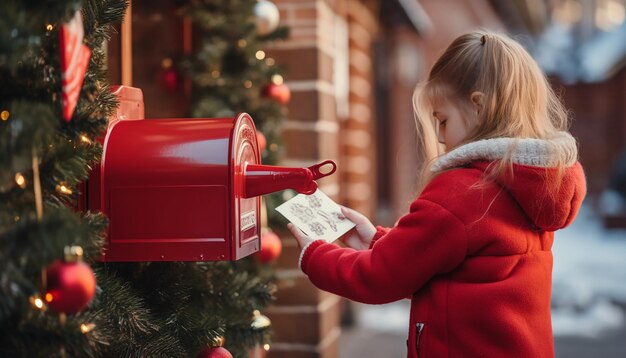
(358, 146)
(306, 319)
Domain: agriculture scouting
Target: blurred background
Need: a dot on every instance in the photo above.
(351, 67)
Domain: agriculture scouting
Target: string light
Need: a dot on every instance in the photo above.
(4, 115)
(277, 79)
(266, 347)
(49, 27)
(48, 297)
(86, 328)
(85, 139)
(167, 62)
(215, 73)
(37, 302)
(270, 61)
(63, 189)
(242, 43)
(247, 84)
(273, 147)
(260, 55)
(20, 180)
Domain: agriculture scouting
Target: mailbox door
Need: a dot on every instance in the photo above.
(246, 229)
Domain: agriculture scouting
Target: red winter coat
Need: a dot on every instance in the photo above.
(475, 260)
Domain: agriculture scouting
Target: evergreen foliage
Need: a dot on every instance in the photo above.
(158, 309)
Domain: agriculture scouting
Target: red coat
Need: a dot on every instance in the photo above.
(476, 261)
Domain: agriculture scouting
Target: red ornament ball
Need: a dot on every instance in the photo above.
(70, 286)
(271, 247)
(278, 92)
(215, 352)
(168, 78)
(261, 140)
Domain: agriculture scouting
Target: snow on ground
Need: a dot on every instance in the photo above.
(589, 277)
(589, 283)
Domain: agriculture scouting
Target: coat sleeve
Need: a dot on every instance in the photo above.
(427, 241)
(380, 232)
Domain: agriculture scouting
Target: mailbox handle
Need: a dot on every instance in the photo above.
(264, 179)
(318, 174)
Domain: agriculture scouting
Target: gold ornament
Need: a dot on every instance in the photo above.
(219, 342)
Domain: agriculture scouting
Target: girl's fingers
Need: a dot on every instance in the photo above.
(352, 215)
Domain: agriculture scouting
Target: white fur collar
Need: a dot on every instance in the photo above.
(527, 151)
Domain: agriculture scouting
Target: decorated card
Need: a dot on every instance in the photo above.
(316, 215)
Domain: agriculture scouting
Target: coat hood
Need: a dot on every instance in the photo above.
(549, 196)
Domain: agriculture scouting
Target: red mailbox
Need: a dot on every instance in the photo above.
(186, 189)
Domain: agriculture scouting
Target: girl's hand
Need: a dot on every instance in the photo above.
(302, 238)
(362, 235)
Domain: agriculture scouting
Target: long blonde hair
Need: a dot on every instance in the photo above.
(518, 101)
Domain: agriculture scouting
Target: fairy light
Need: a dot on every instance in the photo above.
(270, 61)
(277, 79)
(215, 73)
(4, 115)
(63, 189)
(85, 139)
(48, 297)
(266, 347)
(49, 27)
(167, 62)
(20, 180)
(247, 84)
(242, 43)
(260, 55)
(36, 301)
(273, 147)
(86, 328)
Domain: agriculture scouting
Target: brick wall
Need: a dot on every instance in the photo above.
(306, 319)
(358, 145)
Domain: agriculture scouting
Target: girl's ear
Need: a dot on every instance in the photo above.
(477, 99)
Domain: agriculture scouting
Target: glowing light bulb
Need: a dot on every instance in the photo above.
(277, 79)
(86, 328)
(20, 180)
(260, 55)
(63, 189)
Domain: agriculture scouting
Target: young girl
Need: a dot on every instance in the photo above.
(473, 253)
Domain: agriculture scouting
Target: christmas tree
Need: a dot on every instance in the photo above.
(47, 148)
(231, 72)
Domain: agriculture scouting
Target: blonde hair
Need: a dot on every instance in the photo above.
(518, 101)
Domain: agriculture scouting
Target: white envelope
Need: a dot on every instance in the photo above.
(316, 215)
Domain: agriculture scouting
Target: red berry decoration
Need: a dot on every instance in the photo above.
(278, 92)
(215, 352)
(271, 247)
(70, 284)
